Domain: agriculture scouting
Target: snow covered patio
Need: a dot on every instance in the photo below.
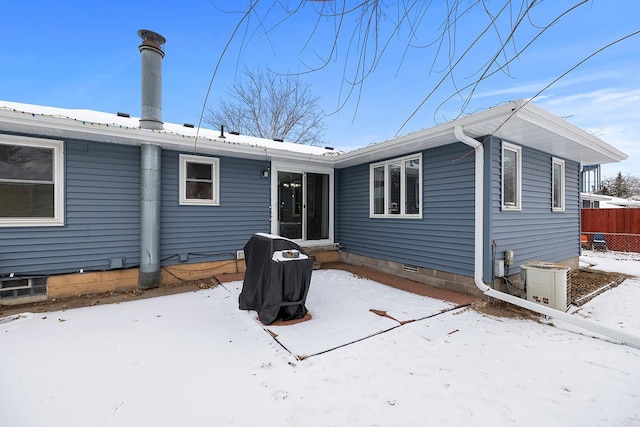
(195, 359)
(344, 309)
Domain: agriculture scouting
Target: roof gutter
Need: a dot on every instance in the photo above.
(478, 147)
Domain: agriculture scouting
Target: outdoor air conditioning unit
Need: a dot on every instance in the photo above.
(548, 284)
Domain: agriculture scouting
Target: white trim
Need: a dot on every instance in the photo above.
(403, 190)
(547, 133)
(518, 150)
(214, 162)
(301, 169)
(58, 182)
(555, 161)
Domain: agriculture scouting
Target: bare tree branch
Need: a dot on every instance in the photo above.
(360, 35)
(269, 105)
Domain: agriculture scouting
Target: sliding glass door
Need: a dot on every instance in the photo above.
(304, 204)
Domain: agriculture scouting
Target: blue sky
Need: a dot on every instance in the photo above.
(76, 54)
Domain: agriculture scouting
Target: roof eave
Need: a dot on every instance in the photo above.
(505, 122)
(583, 139)
(54, 127)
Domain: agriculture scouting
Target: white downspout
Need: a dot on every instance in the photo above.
(623, 337)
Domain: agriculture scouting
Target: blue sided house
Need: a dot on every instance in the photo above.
(92, 201)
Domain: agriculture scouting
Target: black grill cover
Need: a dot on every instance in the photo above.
(274, 289)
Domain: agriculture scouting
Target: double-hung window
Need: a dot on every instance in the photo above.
(396, 188)
(557, 184)
(199, 180)
(511, 177)
(31, 182)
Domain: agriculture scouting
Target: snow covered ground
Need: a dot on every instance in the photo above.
(195, 359)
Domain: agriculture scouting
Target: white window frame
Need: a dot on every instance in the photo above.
(517, 206)
(403, 188)
(560, 162)
(214, 162)
(58, 182)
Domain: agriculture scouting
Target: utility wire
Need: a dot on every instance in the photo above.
(515, 111)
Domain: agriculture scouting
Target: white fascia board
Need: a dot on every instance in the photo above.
(411, 143)
(438, 135)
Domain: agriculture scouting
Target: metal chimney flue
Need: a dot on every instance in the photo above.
(152, 54)
(150, 156)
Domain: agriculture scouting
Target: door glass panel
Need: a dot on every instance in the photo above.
(317, 206)
(290, 205)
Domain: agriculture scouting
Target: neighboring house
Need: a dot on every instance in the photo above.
(590, 185)
(598, 201)
(590, 179)
(437, 206)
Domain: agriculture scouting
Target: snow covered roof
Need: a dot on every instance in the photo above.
(98, 126)
(518, 121)
(611, 202)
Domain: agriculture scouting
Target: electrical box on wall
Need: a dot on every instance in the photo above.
(508, 257)
(498, 268)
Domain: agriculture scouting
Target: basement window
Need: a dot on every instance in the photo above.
(199, 180)
(22, 287)
(31, 182)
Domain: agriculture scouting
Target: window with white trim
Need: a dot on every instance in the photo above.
(557, 184)
(511, 177)
(199, 180)
(396, 188)
(31, 182)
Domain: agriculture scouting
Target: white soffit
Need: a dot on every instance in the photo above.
(519, 122)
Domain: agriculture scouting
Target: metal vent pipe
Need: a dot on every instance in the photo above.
(149, 216)
(150, 155)
(152, 55)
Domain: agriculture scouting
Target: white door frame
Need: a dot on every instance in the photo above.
(302, 169)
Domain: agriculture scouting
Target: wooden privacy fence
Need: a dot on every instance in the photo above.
(620, 228)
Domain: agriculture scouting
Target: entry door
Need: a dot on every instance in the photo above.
(304, 205)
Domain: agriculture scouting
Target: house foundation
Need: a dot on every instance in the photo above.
(428, 276)
(68, 285)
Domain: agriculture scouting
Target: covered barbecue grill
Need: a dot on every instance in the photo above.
(277, 278)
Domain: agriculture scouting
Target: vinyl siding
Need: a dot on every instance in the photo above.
(101, 216)
(536, 233)
(442, 239)
(214, 232)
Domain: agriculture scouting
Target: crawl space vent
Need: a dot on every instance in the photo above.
(410, 268)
